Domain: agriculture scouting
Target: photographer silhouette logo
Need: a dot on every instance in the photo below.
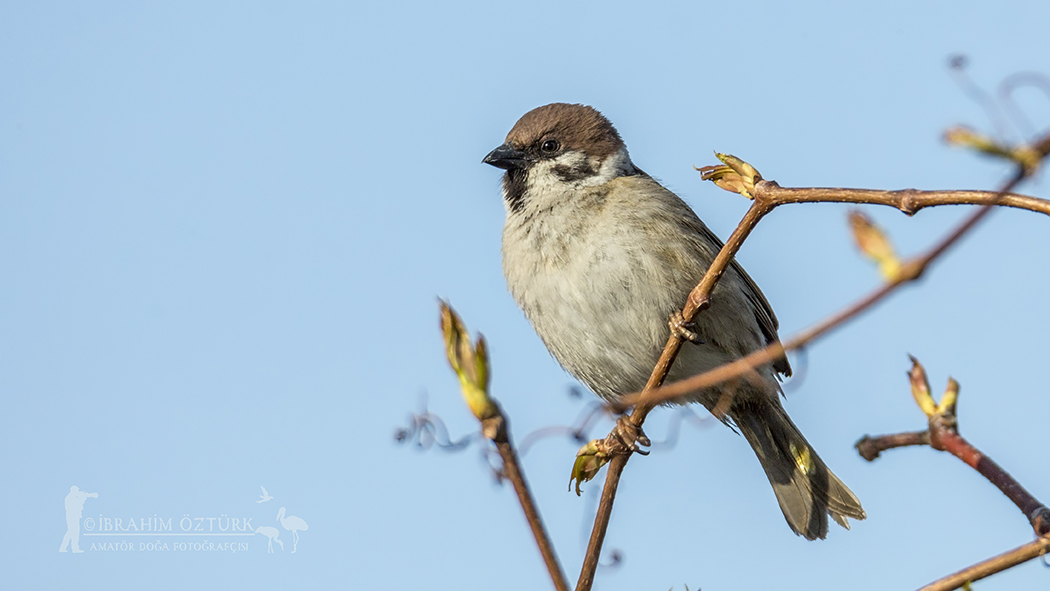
(74, 508)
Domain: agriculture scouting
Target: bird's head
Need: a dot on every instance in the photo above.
(559, 147)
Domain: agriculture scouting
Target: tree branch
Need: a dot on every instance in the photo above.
(869, 448)
(496, 428)
(991, 566)
(945, 437)
(909, 201)
(470, 363)
(942, 434)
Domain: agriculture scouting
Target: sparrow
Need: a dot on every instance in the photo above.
(600, 256)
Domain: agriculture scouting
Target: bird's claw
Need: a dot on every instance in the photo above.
(682, 329)
(631, 436)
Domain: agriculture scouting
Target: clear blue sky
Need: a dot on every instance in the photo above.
(224, 228)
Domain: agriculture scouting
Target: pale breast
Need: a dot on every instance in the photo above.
(591, 292)
(599, 273)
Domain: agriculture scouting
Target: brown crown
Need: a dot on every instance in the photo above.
(576, 127)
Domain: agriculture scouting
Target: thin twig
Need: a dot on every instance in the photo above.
(993, 565)
(577, 431)
(601, 522)
(496, 429)
(942, 434)
(909, 201)
(469, 360)
(869, 447)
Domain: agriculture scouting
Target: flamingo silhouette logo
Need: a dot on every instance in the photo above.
(293, 524)
(272, 533)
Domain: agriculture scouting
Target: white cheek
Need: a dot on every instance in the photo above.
(618, 164)
(542, 180)
(546, 188)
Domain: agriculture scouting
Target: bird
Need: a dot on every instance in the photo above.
(601, 258)
(265, 496)
(292, 524)
(272, 533)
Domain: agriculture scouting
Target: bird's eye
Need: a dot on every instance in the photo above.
(550, 146)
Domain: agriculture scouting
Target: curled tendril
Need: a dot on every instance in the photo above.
(427, 430)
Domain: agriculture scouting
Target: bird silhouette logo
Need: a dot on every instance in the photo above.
(271, 533)
(293, 524)
(265, 496)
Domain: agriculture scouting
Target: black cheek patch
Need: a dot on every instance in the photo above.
(572, 174)
(514, 188)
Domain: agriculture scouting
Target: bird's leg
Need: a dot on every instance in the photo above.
(682, 329)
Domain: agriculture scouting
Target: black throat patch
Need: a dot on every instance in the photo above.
(514, 188)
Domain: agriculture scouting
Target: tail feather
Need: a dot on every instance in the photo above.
(805, 488)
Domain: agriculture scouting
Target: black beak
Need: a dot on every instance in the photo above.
(506, 157)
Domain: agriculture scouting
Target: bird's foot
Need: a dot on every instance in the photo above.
(631, 436)
(682, 329)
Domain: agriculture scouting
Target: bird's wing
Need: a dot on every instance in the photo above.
(708, 246)
(767, 320)
(265, 494)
